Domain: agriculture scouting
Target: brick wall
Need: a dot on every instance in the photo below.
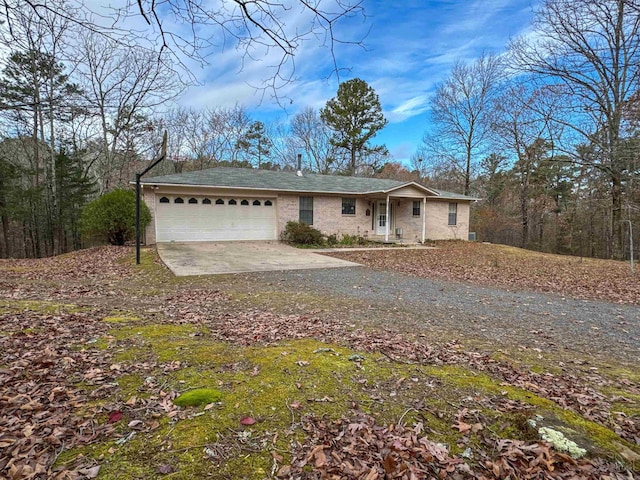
(327, 215)
(438, 218)
(148, 196)
(411, 226)
(328, 218)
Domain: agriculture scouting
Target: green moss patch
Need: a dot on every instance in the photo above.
(197, 397)
(48, 308)
(121, 319)
(603, 439)
(277, 385)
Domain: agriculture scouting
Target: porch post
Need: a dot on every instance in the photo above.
(386, 230)
(424, 218)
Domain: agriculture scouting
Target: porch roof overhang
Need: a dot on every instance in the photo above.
(429, 193)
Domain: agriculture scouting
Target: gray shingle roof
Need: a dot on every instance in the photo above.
(284, 181)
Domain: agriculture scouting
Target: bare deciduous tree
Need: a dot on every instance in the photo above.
(590, 51)
(209, 137)
(312, 138)
(269, 29)
(459, 110)
(121, 88)
(521, 122)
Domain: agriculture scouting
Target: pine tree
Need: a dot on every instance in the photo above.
(256, 143)
(355, 116)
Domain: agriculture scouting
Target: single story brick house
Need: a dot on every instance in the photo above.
(247, 204)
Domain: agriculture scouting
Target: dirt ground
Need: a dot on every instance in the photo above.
(320, 375)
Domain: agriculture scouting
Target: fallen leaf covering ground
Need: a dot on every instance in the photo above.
(94, 350)
(510, 268)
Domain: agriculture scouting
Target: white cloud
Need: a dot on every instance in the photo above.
(408, 52)
(413, 106)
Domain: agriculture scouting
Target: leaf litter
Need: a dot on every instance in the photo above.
(510, 268)
(357, 447)
(50, 378)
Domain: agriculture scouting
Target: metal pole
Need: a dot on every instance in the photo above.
(138, 218)
(631, 245)
(163, 153)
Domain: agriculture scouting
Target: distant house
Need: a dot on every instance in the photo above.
(226, 204)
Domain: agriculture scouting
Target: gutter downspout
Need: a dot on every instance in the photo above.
(386, 230)
(424, 218)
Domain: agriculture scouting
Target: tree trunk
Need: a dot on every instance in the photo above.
(524, 213)
(352, 162)
(6, 253)
(5, 249)
(25, 237)
(106, 151)
(467, 172)
(617, 227)
(57, 230)
(35, 240)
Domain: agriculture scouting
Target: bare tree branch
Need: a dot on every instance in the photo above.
(200, 28)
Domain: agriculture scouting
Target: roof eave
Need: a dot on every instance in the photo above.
(462, 198)
(431, 193)
(262, 189)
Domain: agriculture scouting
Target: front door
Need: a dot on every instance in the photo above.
(381, 218)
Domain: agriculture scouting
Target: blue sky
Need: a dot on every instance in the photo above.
(409, 48)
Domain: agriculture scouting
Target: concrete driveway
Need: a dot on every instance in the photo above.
(214, 258)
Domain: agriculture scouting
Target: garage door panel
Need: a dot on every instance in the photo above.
(214, 222)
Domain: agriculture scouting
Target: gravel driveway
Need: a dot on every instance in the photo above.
(445, 309)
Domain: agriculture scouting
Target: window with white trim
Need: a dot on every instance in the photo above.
(416, 208)
(453, 214)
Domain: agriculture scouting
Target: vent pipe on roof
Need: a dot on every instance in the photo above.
(299, 172)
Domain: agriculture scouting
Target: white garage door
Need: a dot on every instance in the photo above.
(201, 219)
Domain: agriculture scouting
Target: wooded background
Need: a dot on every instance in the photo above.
(546, 135)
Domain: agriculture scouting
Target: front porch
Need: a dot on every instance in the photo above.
(398, 219)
